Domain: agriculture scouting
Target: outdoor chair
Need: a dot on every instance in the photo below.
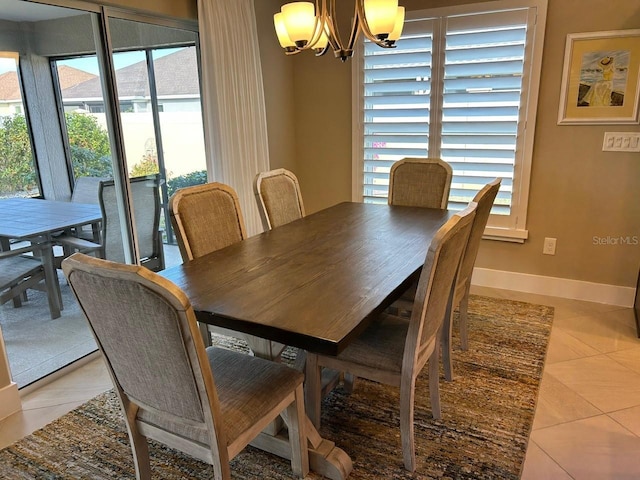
(278, 197)
(393, 350)
(145, 192)
(209, 403)
(18, 273)
(420, 182)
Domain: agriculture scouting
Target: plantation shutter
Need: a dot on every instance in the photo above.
(483, 72)
(397, 90)
(469, 70)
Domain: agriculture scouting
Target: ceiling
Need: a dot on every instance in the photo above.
(21, 11)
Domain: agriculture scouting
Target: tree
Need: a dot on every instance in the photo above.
(17, 171)
(90, 152)
(89, 142)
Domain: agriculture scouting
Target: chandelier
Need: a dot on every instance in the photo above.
(305, 25)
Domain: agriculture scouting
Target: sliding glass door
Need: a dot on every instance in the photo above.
(111, 116)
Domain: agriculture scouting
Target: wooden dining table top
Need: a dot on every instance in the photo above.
(314, 283)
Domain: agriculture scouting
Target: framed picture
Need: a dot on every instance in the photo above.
(601, 78)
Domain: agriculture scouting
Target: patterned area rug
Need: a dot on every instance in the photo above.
(487, 415)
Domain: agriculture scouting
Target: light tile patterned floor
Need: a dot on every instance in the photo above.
(587, 423)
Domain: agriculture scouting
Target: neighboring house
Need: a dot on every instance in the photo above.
(178, 89)
(11, 98)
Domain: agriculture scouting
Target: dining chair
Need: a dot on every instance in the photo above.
(208, 403)
(207, 218)
(145, 194)
(393, 350)
(484, 199)
(278, 197)
(87, 190)
(19, 272)
(420, 182)
(280, 202)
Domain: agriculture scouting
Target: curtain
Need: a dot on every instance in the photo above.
(235, 122)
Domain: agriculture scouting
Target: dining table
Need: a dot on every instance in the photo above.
(37, 221)
(315, 284)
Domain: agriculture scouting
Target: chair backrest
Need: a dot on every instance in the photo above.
(145, 193)
(86, 190)
(420, 182)
(147, 332)
(279, 198)
(484, 198)
(435, 287)
(206, 218)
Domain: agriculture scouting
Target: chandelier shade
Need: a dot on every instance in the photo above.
(304, 25)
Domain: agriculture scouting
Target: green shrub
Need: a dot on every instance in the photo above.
(193, 178)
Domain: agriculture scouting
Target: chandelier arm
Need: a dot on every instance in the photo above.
(355, 27)
(334, 37)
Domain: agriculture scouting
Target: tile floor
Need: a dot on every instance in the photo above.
(587, 423)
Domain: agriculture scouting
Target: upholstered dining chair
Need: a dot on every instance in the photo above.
(207, 218)
(484, 198)
(420, 182)
(209, 403)
(278, 197)
(393, 350)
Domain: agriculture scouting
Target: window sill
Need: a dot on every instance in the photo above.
(505, 234)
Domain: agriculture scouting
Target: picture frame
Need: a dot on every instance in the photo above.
(601, 78)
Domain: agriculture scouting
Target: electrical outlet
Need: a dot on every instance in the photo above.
(549, 247)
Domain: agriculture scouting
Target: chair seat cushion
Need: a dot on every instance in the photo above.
(381, 346)
(247, 387)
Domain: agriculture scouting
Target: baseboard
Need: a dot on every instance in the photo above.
(555, 287)
(9, 400)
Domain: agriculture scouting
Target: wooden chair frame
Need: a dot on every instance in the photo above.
(218, 451)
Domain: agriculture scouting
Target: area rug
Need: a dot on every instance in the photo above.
(487, 416)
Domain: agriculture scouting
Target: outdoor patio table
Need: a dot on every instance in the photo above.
(35, 220)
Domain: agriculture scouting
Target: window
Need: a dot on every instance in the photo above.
(461, 85)
(18, 172)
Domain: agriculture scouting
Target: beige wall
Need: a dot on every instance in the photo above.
(182, 9)
(577, 191)
(277, 75)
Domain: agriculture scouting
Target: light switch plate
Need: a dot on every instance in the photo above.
(621, 142)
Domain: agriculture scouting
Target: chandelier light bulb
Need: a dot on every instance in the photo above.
(381, 16)
(322, 36)
(300, 21)
(397, 28)
(281, 31)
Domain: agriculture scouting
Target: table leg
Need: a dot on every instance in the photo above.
(324, 457)
(54, 296)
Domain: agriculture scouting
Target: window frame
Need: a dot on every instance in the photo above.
(513, 227)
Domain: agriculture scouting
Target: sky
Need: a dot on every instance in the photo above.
(90, 64)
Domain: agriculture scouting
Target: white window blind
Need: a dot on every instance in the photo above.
(461, 86)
